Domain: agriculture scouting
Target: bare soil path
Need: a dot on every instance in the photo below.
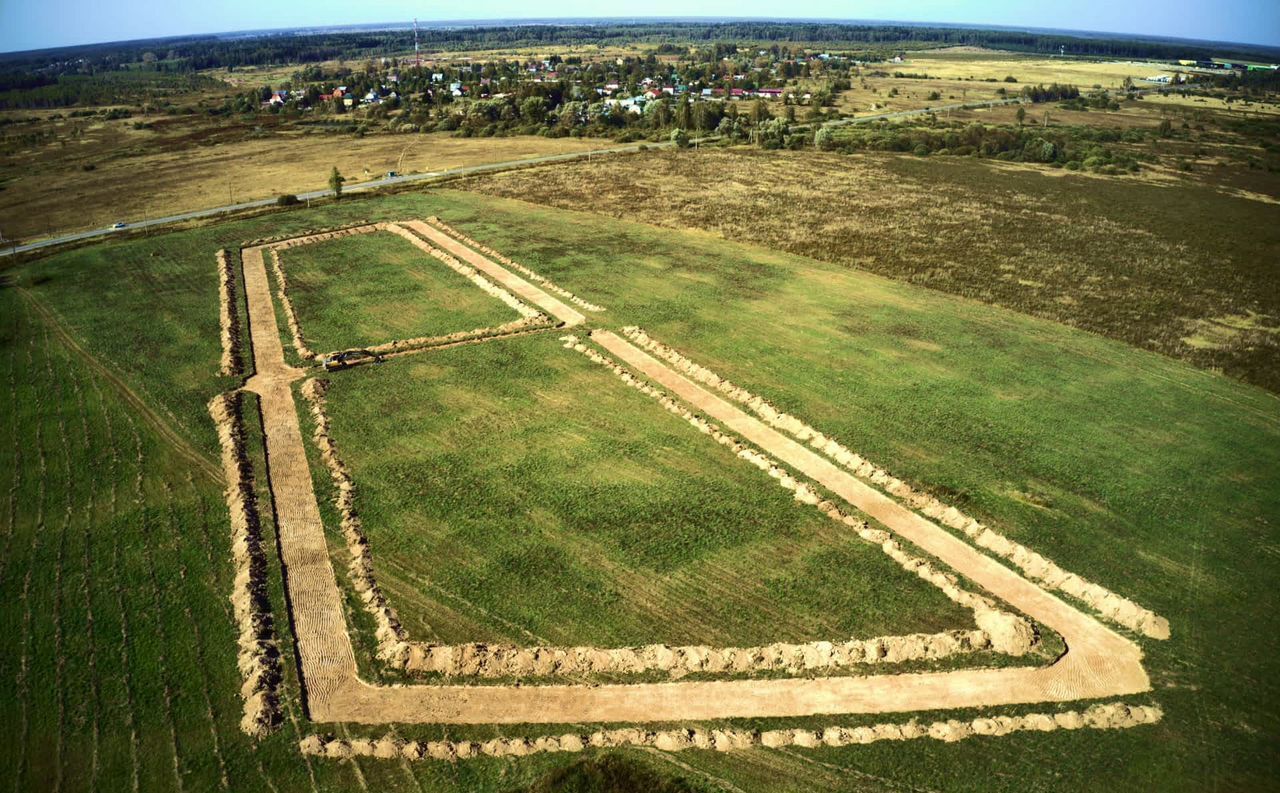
(1099, 663)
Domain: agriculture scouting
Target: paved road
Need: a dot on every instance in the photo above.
(434, 175)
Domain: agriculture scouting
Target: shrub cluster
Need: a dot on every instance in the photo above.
(1075, 148)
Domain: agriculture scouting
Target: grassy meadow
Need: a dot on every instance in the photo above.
(515, 491)
(372, 288)
(1136, 470)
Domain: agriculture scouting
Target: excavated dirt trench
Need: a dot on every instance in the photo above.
(1099, 663)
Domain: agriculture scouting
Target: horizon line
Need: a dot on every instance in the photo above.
(586, 21)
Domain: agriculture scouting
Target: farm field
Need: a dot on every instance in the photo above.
(1169, 499)
(366, 290)
(983, 64)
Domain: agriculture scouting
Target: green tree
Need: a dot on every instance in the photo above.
(1022, 114)
(335, 182)
(680, 138)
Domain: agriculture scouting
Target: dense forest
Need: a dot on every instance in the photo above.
(208, 52)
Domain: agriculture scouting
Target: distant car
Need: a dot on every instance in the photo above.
(392, 174)
(117, 225)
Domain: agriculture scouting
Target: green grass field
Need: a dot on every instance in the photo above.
(515, 489)
(373, 288)
(1149, 476)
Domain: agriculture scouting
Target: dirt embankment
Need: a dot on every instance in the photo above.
(1005, 632)
(1112, 606)
(290, 316)
(228, 315)
(259, 655)
(1109, 716)
(514, 265)
(392, 647)
(486, 660)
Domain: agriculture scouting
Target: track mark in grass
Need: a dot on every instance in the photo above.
(117, 468)
(719, 782)
(60, 656)
(880, 781)
(162, 428)
(175, 538)
(355, 764)
(16, 482)
(413, 576)
(162, 660)
(404, 764)
(93, 703)
(21, 682)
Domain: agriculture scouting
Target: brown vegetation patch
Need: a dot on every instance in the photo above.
(1125, 259)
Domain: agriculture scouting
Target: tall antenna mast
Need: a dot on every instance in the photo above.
(417, 58)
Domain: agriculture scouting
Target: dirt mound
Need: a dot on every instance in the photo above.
(488, 660)
(521, 325)
(264, 241)
(322, 236)
(1109, 604)
(259, 657)
(228, 315)
(290, 315)
(520, 268)
(1111, 716)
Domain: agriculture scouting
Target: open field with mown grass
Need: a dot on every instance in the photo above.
(1135, 470)
(372, 288)
(514, 490)
(1142, 262)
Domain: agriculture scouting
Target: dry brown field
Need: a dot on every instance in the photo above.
(187, 165)
(1121, 256)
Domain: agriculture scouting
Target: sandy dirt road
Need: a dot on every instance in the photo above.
(1099, 663)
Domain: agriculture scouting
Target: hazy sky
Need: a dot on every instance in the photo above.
(32, 24)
